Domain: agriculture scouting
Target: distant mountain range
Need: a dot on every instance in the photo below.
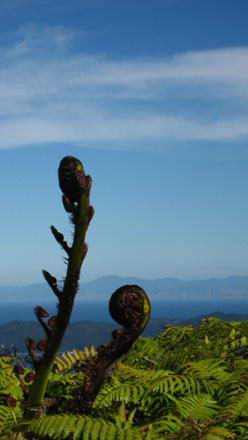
(230, 288)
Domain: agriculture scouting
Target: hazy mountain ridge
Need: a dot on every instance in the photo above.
(232, 287)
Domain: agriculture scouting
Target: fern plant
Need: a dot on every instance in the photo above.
(75, 186)
(202, 397)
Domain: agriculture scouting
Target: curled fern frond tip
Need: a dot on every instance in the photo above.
(29, 377)
(130, 307)
(72, 180)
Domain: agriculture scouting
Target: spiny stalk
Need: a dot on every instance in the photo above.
(75, 186)
(130, 307)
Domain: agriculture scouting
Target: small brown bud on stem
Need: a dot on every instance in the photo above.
(52, 281)
(41, 344)
(51, 321)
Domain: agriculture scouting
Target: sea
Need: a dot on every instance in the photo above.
(98, 311)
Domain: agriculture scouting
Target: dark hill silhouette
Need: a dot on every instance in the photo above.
(83, 333)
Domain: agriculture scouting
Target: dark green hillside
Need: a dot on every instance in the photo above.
(83, 333)
(77, 335)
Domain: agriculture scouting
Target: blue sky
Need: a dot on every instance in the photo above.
(152, 97)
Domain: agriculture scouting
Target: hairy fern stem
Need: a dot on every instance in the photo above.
(66, 297)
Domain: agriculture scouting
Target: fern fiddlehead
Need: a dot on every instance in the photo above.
(75, 186)
(130, 307)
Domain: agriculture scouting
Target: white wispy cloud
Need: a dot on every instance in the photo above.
(51, 93)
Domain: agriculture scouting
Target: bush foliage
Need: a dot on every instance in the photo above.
(186, 383)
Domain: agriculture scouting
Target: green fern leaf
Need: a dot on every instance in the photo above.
(7, 361)
(68, 360)
(16, 436)
(48, 426)
(95, 430)
(69, 427)
(52, 426)
(169, 424)
(218, 432)
(6, 420)
(9, 384)
(241, 428)
(62, 385)
(88, 429)
(122, 393)
(111, 433)
(79, 426)
(212, 437)
(197, 407)
(205, 369)
(103, 431)
(237, 406)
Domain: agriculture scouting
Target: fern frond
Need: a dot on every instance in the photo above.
(170, 423)
(237, 383)
(177, 334)
(237, 406)
(66, 361)
(238, 364)
(62, 386)
(9, 384)
(241, 428)
(122, 393)
(15, 436)
(205, 369)
(151, 392)
(80, 428)
(70, 359)
(146, 352)
(163, 381)
(7, 420)
(170, 383)
(213, 437)
(172, 360)
(6, 360)
(196, 407)
(52, 426)
(218, 433)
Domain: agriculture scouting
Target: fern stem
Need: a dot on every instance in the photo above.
(130, 307)
(66, 300)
